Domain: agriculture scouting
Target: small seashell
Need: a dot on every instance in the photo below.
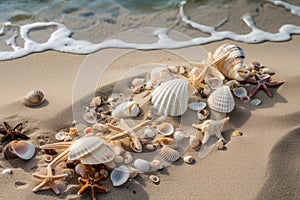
(173, 69)
(48, 158)
(104, 172)
(206, 91)
(167, 142)
(138, 90)
(202, 114)
(133, 172)
(196, 106)
(150, 147)
(149, 133)
(195, 142)
(125, 110)
(240, 92)
(119, 175)
(110, 165)
(142, 165)
(88, 130)
(160, 74)
(98, 127)
(90, 118)
(80, 169)
(181, 70)
(194, 73)
(255, 102)
(245, 99)
(34, 98)
(118, 159)
(96, 101)
(236, 133)
(188, 159)
(221, 100)
(127, 157)
(154, 178)
(266, 70)
(72, 131)
(214, 82)
(169, 154)
(255, 65)
(179, 135)
(156, 165)
(22, 149)
(138, 82)
(60, 136)
(68, 138)
(165, 129)
(7, 171)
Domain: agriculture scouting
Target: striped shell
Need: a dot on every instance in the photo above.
(234, 61)
(171, 98)
(169, 154)
(119, 175)
(142, 165)
(91, 150)
(125, 110)
(34, 98)
(221, 100)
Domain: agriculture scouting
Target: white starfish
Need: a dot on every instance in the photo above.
(211, 127)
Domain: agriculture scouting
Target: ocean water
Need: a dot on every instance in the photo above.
(85, 24)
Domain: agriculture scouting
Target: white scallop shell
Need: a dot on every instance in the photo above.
(60, 136)
(171, 98)
(138, 82)
(90, 118)
(119, 175)
(214, 82)
(240, 92)
(34, 98)
(188, 159)
(169, 154)
(142, 165)
(91, 150)
(196, 106)
(221, 100)
(160, 74)
(165, 129)
(234, 61)
(125, 110)
(22, 149)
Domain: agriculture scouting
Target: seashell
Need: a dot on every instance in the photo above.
(269, 71)
(7, 171)
(156, 165)
(127, 157)
(167, 142)
(138, 82)
(255, 102)
(91, 150)
(245, 99)
(22, 149)
(150, 147)
(195, 142)
(197, 106)
(154, 178)
(236, 133)
(60, 136)
(173, 69)
(160, 74)
(234, 62)
(182, 70)
(202, 114)
(125, 110)
(169, 154)
(117, 147)
(179, 135)
(221, 144)
(34, 98)
(133, 172)
(119, 175)
(68, 138)
(118, 159)
(233, 84)
(88, 130)
(221, 100)
(142, 165)
(139, 89)
(90, 118)
(165, 129)
(80, 169)
(214, 82)
(110, 165)
(149, 85)
(149, 133)
(48, 158)
(171, 98)
(188, 159)
(104, 172)
(240, 92)
(96, 101)
(72, 131)
(98, 127)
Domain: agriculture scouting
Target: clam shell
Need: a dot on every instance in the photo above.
(169, 154)
(195, 142)
(34, 98)
(160, 74)
(154, 178)
(156, 165)
(214, 82)
(171, 98)
(119, 175)
(60, 136)
(234, 62)
(91, 150)
(22, 149)
(138, 82)
(197, 106)
(202, 114)
(125, 110)
(188, 159)
(240, 92)
(255, 102)
(165, 129)
(127, 157)
(80, 169)
(221, 100)
(142, 165)
(167, 142)
(90, 118)
(179, 135)
(149, 133)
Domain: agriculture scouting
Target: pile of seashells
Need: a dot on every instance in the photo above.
(126, 135)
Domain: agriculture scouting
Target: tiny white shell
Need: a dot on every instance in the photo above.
(149, 133)
(60, 136)
(138, 82)
(165, 129)
(154, 178)
(127, 157)
(221, 100)
(196, 106)
(240, 92)
(255, 102)
(214, 82)
(90, 118)
(142, 165)
(34, 98)
(125, 110)
(169, 154)
(80, 169)
(188, 159)
(7, 171)
(119, 175)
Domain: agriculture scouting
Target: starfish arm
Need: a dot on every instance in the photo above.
(83, 189)
(40, 186)
(18, 128)
(206, 137)
(54, 187)
(7, 126)
(59, 158)
(82, 180)
(39, 176)
(113, 127)
(4, 138)
(101, 188)
(274, 84)
(93, 194)
(119, 136)
(58, 145)
(22, 136)
(267, 91)
(254, 91)
(139, 126)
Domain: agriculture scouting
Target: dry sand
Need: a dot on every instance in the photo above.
(262, 164)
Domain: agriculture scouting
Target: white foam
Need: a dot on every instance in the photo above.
(60, 39)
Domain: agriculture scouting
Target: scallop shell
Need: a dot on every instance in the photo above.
(188, 159)
(125, 110)
(221, 100)
(197, 106)
(234, 62)
(240, 92)
(91, 150)
(160, 74)
(165, 129)
(171, 98)
(214, 82)
(138, 82)
(154, 178)
(34, 98)
(90, 118)
(142, 165)
(22, 149)
(119, 175)
(169, 154)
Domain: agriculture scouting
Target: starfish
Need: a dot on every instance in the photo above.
(92, 184)
(49, 179)
(263, 81)
(125, 131)
(11, 134)
(211, 127)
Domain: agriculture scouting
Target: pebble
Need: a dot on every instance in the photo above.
(7, 171)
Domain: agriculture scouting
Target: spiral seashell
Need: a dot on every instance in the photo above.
(125, 110)
(34, 98)
(22, 149)
(90, 118)
(119, 175)
(169, 154)
(142, 165)
(234, 62)
(188, 159)
(171, 98)
(221, 100)
(197, 106)
(165, 129)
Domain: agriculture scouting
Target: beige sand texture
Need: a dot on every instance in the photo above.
(261, 164)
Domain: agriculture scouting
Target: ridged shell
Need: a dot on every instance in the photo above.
(119, 175)
(165, 129)
(171, 98)
(221, 100)
(22, 149)
(91, 150)
(142, 165)
(169, 154)
(234, 61)
(34, 98)
(125, 110)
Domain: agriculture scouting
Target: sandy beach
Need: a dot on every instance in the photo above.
(262, 164)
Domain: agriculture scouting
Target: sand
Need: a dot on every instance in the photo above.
(261, 164)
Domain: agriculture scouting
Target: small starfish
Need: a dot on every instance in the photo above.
(125, 131)
(92, 184)
(211, 127)
(263, 82)
(11, 134)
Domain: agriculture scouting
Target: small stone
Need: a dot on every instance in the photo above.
(255, 102)
(7, 171)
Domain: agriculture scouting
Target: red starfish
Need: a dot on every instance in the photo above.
(263, 81)
(11, 134)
